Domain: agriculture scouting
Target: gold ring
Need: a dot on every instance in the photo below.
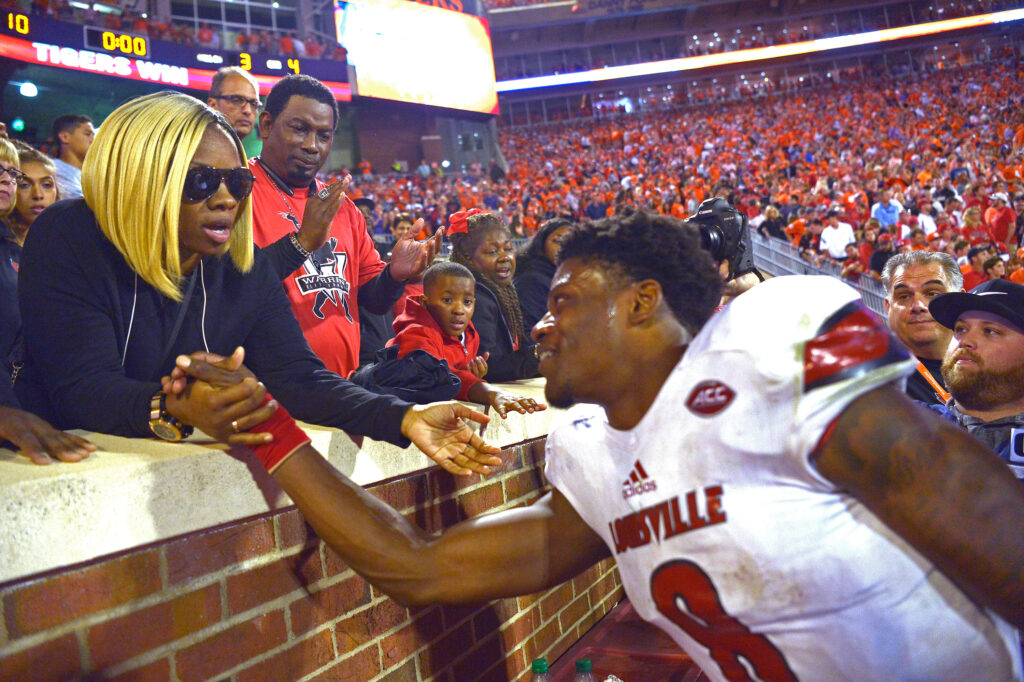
(325, 192)
(234, 426)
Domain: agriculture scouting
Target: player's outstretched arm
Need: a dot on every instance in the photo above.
(513, 552)
(944, 492)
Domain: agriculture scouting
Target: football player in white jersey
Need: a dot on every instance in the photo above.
(774, 502)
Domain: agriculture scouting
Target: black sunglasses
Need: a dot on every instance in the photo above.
(202, 182)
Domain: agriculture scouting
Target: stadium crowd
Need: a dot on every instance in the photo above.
(942, 145)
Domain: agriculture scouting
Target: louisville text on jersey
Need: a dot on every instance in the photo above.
(666, 519)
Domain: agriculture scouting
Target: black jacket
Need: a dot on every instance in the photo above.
(504, 363)
(84, 310)
(532, 285)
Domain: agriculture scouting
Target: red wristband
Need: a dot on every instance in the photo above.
(288, 438)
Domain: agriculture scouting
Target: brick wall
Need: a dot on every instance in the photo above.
(264, 599)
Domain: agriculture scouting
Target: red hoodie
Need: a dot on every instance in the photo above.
(416, 329)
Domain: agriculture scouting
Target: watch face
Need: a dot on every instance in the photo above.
(164, 431)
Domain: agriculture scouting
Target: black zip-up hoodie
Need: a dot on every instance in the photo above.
(95, 334)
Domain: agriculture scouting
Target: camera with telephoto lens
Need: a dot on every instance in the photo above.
(725, 235)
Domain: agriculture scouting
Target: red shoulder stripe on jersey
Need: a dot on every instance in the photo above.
(853, 341)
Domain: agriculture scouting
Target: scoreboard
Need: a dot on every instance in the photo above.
(40, 40)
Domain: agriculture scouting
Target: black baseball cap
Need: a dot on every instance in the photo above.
(997, 296)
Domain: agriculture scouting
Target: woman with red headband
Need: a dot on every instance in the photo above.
(482, 242)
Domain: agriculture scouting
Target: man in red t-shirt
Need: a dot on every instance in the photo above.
(314, 234)
(1001, 222)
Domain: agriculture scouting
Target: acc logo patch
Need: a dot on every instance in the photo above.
(709, 397)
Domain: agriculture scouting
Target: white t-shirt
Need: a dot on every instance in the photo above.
(835, 239)
(728, 539)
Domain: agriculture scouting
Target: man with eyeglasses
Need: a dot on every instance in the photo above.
(236, 94)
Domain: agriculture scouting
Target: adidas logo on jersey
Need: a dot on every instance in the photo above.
(638, 482)
(709, 397)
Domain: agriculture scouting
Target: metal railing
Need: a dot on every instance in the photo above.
(776, 257)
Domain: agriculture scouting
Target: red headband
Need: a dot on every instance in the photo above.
(459, 221)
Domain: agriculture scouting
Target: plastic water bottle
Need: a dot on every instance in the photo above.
(540, 670)
(583, 671)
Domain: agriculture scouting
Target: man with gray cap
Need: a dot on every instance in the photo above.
(984, 365)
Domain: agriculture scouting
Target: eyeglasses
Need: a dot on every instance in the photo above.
(202, 182)
(239, 101)
(14, 176)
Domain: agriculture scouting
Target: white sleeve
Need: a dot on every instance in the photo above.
(814, 348)
(852, 353)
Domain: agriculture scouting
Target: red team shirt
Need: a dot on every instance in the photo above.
(324, 290)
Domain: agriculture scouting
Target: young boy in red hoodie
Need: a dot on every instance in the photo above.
(440, 322)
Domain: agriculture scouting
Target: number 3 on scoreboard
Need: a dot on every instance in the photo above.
(732, 645)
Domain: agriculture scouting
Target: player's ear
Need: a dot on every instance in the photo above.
(647, 296)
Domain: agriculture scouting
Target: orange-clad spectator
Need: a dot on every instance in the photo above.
(286, 44)
(1015, 268)
(365, 168)
(795, 231)
(205, 35)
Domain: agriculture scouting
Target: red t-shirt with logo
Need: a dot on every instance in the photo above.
(324, 290)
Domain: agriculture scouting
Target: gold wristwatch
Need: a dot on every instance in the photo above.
(162, 423)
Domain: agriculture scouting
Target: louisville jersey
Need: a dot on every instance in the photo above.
(324, 290)
(728, 539)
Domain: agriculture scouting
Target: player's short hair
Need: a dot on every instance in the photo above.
(445, 269)
(951, 275)
(134, 176)
(65, 123)
(299, 85)
(645, 245)
(217, 84)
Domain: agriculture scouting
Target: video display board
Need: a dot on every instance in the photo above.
(411, 52)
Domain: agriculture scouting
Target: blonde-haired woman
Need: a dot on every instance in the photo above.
(973, 228)
(10, 248)
(155, 262)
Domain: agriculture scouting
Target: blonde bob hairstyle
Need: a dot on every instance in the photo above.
(133, 177)
(8, 159)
